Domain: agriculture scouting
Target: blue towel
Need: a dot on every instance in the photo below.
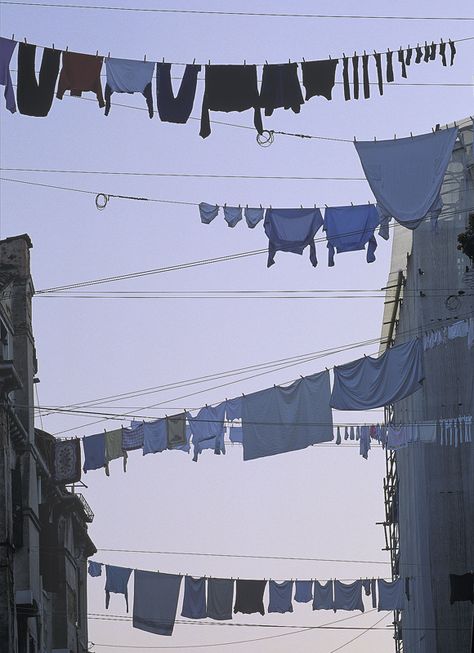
(155, 600)
(194, 602)
(291, 230)
(220, 596)
(282, 419)
(94, 451)
(280, 596)
(304, 591)
(155, 436)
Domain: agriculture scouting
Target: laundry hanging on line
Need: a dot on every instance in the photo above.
(157, 596)
(348, 228)
(226, 87)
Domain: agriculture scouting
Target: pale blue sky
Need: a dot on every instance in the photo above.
(319, 503)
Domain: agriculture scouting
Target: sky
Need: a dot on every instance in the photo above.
(322, 503)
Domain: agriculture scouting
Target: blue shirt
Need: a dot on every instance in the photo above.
(291, 230)
(350, 228)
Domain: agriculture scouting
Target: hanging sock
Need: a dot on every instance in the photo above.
(80, 73)
(427, 54)
(345, 77)
(453, 51)
(346, 433)
(7, 47)
(280, 88)
(419, 54)
(319, 77)
(352, 433)
(171, 108)
(36, 97)
(409, 52)
(433, 51)
(401, 59)
(129, 76)
(338, 436)
(365, 75)
(355, 72)
(442, 52)
(378, 64)
(390, 76)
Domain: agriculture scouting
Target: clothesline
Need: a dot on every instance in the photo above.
(156, 595)
(248, 62)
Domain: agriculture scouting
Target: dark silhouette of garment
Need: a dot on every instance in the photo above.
(345, 78)
(177, 108)
(433, 51)
(453, 51)
(146, 94)
(230, 88)
(401, 59)
(462, 587)
(34, 97)
(365, 75)
(319, 77)
(80, 73)
(390, 76)
(427, 54)
(408, 57)
(419, 54)
(249, 596)
(355, 76)
(442, 53)
(280, 88)
(378, 65)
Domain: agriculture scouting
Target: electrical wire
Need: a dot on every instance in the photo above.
(221, 12)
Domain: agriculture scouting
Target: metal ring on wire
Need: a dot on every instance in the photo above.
(101, 201)
(266, 138)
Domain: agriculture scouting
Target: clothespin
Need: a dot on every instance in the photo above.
(209, 62)
(411, 134)
(144, 57)
(13, 37)
(194, 61)
(245, 63)
(67, 47)
(108, 55)
(53, 46)
(344, 55)
(394, 137)
(25, 40)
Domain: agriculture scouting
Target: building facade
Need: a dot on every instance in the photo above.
(429, 488)
(44, 544)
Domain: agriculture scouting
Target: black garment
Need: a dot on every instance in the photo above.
(249, 596)
(35, 98)
(390, 76)
(280, 88)
(433, 51)
(378, 64)
(408, 57)
(146, 94)
(419, 54)
(427, 56)
(355, 73)
(319, 77)
(442, 53)
(365, 75)
(453, 51)
(230, 88)
(345, 78)
(462, 587)
(401, 59)
(170, 108)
